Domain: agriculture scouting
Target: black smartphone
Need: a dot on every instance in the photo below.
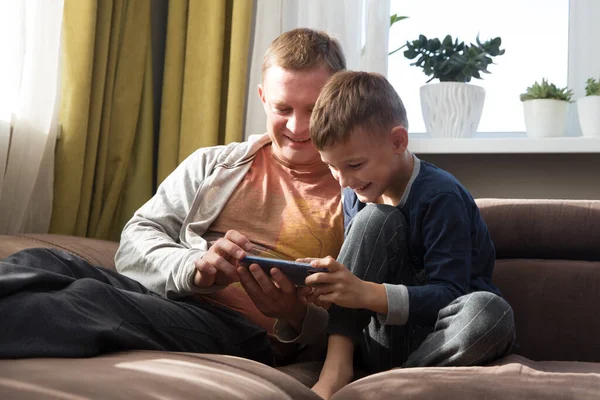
(296, 272)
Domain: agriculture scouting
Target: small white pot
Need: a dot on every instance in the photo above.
(545, 117)
(452, 109)
(588, 112)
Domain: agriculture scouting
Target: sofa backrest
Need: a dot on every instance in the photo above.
(548, 269)
(548, 229)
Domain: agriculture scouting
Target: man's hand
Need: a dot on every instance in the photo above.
(342, 287)
(218, 265)
(275, 296)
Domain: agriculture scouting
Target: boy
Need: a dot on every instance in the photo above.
(412, 284)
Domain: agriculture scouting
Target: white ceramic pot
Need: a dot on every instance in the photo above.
(588, 112)
(452, 109)
(545, 117)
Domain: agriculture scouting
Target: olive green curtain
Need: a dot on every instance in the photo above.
(204, 81)
(104, 156)
(105, 159)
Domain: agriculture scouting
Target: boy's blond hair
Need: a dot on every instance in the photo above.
(304, 49)
(353, 100)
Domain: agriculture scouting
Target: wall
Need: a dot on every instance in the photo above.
(541, 176)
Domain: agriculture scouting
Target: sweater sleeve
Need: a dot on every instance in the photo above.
(314, 326)
(150, 251)
(446, 240)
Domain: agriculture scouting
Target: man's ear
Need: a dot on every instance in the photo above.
(399, 138)
(261, 93)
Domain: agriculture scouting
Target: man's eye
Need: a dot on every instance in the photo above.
(282, 111)
(355, 166)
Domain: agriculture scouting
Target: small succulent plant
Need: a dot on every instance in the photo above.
(592, 87)
(450, 60)
(546, 90)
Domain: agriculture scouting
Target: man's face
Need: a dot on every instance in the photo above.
(288, 98)
(370, 164)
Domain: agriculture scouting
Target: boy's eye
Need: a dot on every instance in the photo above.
(282, 111)
(355, 166)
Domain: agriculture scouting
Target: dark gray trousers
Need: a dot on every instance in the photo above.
(54, 304)
(474, 329)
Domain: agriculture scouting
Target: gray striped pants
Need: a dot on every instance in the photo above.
(474, 329)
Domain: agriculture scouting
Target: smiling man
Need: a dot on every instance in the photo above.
(271, 196)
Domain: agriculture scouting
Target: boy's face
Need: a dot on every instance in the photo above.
(288, 98)
(373, 165)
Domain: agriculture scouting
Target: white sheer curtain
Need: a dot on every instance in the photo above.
(29, 70)
(361, 26)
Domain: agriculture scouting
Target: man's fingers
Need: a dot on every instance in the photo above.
(205, 275)
(239, 239)
(221, 264)
(249, 284)
(284, 283)
(263, 280)
(228, 249)
(304, 291)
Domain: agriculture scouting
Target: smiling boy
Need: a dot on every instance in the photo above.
(412, 284)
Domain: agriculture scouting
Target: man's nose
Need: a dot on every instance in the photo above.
(298, 124)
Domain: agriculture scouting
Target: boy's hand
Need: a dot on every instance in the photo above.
(339, 285)
(218, 265)
(310, 295)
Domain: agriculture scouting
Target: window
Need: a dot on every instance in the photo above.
(10, 57)
(535, 35)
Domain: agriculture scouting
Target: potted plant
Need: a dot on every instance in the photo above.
(452, 107)
(545, 108)
(393, 19)
(588, 109)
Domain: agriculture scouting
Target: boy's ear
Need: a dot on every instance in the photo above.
(399, 138)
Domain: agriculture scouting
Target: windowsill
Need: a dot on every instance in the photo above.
(499, 143)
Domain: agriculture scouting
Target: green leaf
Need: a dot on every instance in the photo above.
(396, 18)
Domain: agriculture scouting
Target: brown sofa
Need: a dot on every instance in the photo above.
(548, 268)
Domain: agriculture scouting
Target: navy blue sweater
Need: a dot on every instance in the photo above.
(446, 236)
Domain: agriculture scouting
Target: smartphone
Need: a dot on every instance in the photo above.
(296, 272)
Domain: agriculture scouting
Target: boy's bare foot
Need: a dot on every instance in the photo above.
(327, 387)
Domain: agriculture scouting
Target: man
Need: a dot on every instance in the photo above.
(271, 196)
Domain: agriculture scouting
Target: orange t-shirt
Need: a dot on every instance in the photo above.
(287, 213)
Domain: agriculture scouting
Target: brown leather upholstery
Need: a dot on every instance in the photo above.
(95, 251)
(513, 377)
(548, 269)
(546, 229)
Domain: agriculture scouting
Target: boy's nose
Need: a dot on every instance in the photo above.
(342, 180)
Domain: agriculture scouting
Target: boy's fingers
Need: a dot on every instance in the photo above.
(319, 278)
(306, 260)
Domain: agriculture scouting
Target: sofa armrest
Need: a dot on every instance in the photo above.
(95, 251)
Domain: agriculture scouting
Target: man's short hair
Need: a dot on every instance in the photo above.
(353, 100)
(304, 49)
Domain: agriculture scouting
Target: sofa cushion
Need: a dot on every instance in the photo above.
(512, 377)
(555, 307)
(147, 375)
